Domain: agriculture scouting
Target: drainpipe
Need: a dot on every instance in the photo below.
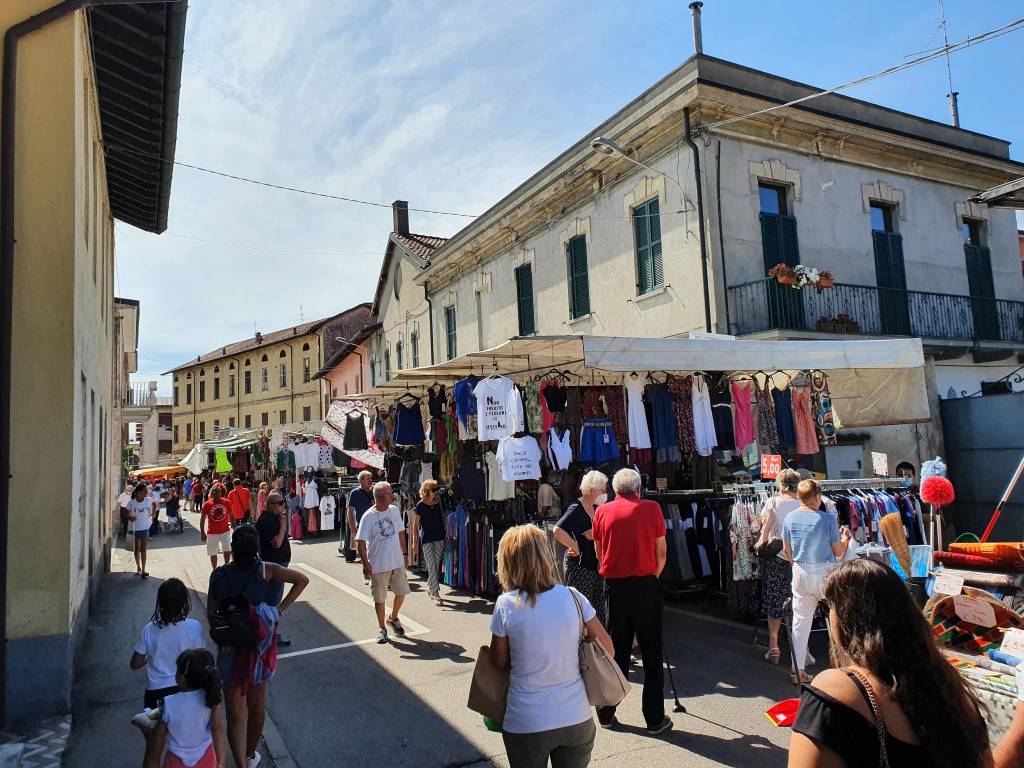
(700, 213)
(430, 320)
(721, 234)
(8, 123)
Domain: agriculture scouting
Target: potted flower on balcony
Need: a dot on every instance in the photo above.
(783, 274)
(846, 324)
(825, 279)
(825, 324)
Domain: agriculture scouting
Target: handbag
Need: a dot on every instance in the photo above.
(869, 694)
(488, 692)
(606, 685)
(768, 549)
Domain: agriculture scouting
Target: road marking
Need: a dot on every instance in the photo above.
(323, 648)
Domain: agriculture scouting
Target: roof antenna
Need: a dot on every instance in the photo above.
(300, 314)
(954, 110)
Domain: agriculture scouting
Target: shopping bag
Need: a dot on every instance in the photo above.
(129, 542)
(488, 692)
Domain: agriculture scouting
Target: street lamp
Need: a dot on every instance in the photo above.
(604, 146)
(608, 147)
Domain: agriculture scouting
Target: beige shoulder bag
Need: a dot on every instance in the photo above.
(606, 685)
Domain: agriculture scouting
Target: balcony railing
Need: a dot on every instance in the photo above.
(861, 309)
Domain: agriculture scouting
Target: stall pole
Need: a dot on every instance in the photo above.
(1002, 501)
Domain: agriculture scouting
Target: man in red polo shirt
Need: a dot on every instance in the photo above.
(239, 498)
(215, 526)
(629, 534)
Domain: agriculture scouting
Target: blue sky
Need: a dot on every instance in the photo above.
(450, 105)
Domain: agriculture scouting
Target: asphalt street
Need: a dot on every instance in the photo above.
(339, 698)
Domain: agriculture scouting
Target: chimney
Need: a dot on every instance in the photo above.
(954, 108)
(400, 215)
(698, 43)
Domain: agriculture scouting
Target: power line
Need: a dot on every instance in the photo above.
(269, 250)
(931, 55)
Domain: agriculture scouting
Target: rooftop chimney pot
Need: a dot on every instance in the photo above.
(400, 216)
(698, 43)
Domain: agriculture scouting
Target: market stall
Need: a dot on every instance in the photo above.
(147, 473)
(509, 431)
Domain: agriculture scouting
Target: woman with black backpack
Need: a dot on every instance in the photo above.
(243, 624)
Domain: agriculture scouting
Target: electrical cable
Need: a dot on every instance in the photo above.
(992, 34)
(269, 250)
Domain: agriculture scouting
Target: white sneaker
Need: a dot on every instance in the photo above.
(382, 636)
(146, 719)
(254, 760)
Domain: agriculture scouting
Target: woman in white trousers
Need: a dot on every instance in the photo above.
(812, 541)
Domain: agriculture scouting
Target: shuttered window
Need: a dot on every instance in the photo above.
(890, 274)
(398, 354)
(650, 274)
(524, 300)
(449, 329)
(414, 342)
(579, 280)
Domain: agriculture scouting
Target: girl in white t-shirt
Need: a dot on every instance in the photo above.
(188, 724)
(140, 515)
(164, 639)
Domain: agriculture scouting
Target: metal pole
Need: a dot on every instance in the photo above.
(1002, 502)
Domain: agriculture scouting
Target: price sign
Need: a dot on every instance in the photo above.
(948, 584)
(880, 464)
(1013, 643)
(771, 465)
(661, 483)
(974, 611)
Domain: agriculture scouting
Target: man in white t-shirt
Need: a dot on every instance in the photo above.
(383, 551)
(122, 507)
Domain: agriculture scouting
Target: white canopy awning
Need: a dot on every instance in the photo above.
(197, 460)
(872, 383)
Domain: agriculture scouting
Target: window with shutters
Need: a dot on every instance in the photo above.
(398, 354)
(248, 421)
(216, 425)
(451, 342)
(265, 419)
(524, 299)
(216, 388)
(979, 280)
(264, 381)
(202, 391)
(175, 433)
(175, 397)
(202, 430)
(414, 343)
(890, 275)
(305, 369)
(282, 375)
(779, 245)
(373, 370)
(282, 416)
(231, 421)
(579, 279)
(387, 364)
(188, 433)
(248, 383)
(188, 394)
(307, 412)
(231, 385)
(650, 274)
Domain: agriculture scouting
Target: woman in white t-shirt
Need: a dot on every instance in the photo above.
(164, 638)
(188, 724)
(140, 514)
(536, 631)
(776, 572)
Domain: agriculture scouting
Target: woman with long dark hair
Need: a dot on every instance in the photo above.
(888, 662)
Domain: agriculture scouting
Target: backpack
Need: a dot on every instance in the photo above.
(234, 621)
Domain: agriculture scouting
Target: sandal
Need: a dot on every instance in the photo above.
(773, 655)
(803, 677)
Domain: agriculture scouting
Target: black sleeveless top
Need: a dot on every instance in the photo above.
(830, 723)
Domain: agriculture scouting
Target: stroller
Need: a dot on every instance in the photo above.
(174, 518)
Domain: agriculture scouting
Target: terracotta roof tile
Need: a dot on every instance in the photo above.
(420, 245)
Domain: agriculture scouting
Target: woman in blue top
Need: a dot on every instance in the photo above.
(812, 540)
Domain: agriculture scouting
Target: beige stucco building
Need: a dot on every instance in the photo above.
(86, 81)
(264, 381)
(610, 243)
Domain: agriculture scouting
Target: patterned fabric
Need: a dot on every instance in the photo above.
(742, 537)
(767, 430)
(776, 582)
(682, 394)
(589, 583)
(821, 404)
(803, 420)
(531, 407)
(610, 401)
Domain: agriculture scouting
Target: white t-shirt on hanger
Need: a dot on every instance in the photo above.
(492, 407)
(519, 458)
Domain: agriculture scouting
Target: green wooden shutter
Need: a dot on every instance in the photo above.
(771, 240)
(790, 244)
(524, 300)
(579, 282)
(650, 272)
(449, 322)
(982, 289)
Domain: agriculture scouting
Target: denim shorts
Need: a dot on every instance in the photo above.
(143, 534)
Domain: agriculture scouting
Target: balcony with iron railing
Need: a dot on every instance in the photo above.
(765, 305)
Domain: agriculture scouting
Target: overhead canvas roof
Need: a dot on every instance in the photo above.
(872, 383)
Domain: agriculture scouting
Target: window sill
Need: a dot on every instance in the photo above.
(652, 294)
(581, 318)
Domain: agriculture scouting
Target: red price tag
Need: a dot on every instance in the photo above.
(771, 465)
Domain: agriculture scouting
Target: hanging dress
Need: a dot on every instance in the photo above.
(721, 410)
(767, 431)
(663, 418)
(821, 406)
(784, 416)
(683, 396)
(803, 421)
(703, 420)
(639, 435)
(743, 418)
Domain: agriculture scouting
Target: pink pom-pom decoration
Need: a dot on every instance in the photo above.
(937, 491)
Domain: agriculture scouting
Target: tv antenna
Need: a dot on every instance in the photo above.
(954, 110)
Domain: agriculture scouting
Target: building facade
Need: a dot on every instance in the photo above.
(265, 381)
(86, 79)
(347, 371)
(607, 242)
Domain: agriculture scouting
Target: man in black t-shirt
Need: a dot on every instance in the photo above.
(272, 527)
(359, 500)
